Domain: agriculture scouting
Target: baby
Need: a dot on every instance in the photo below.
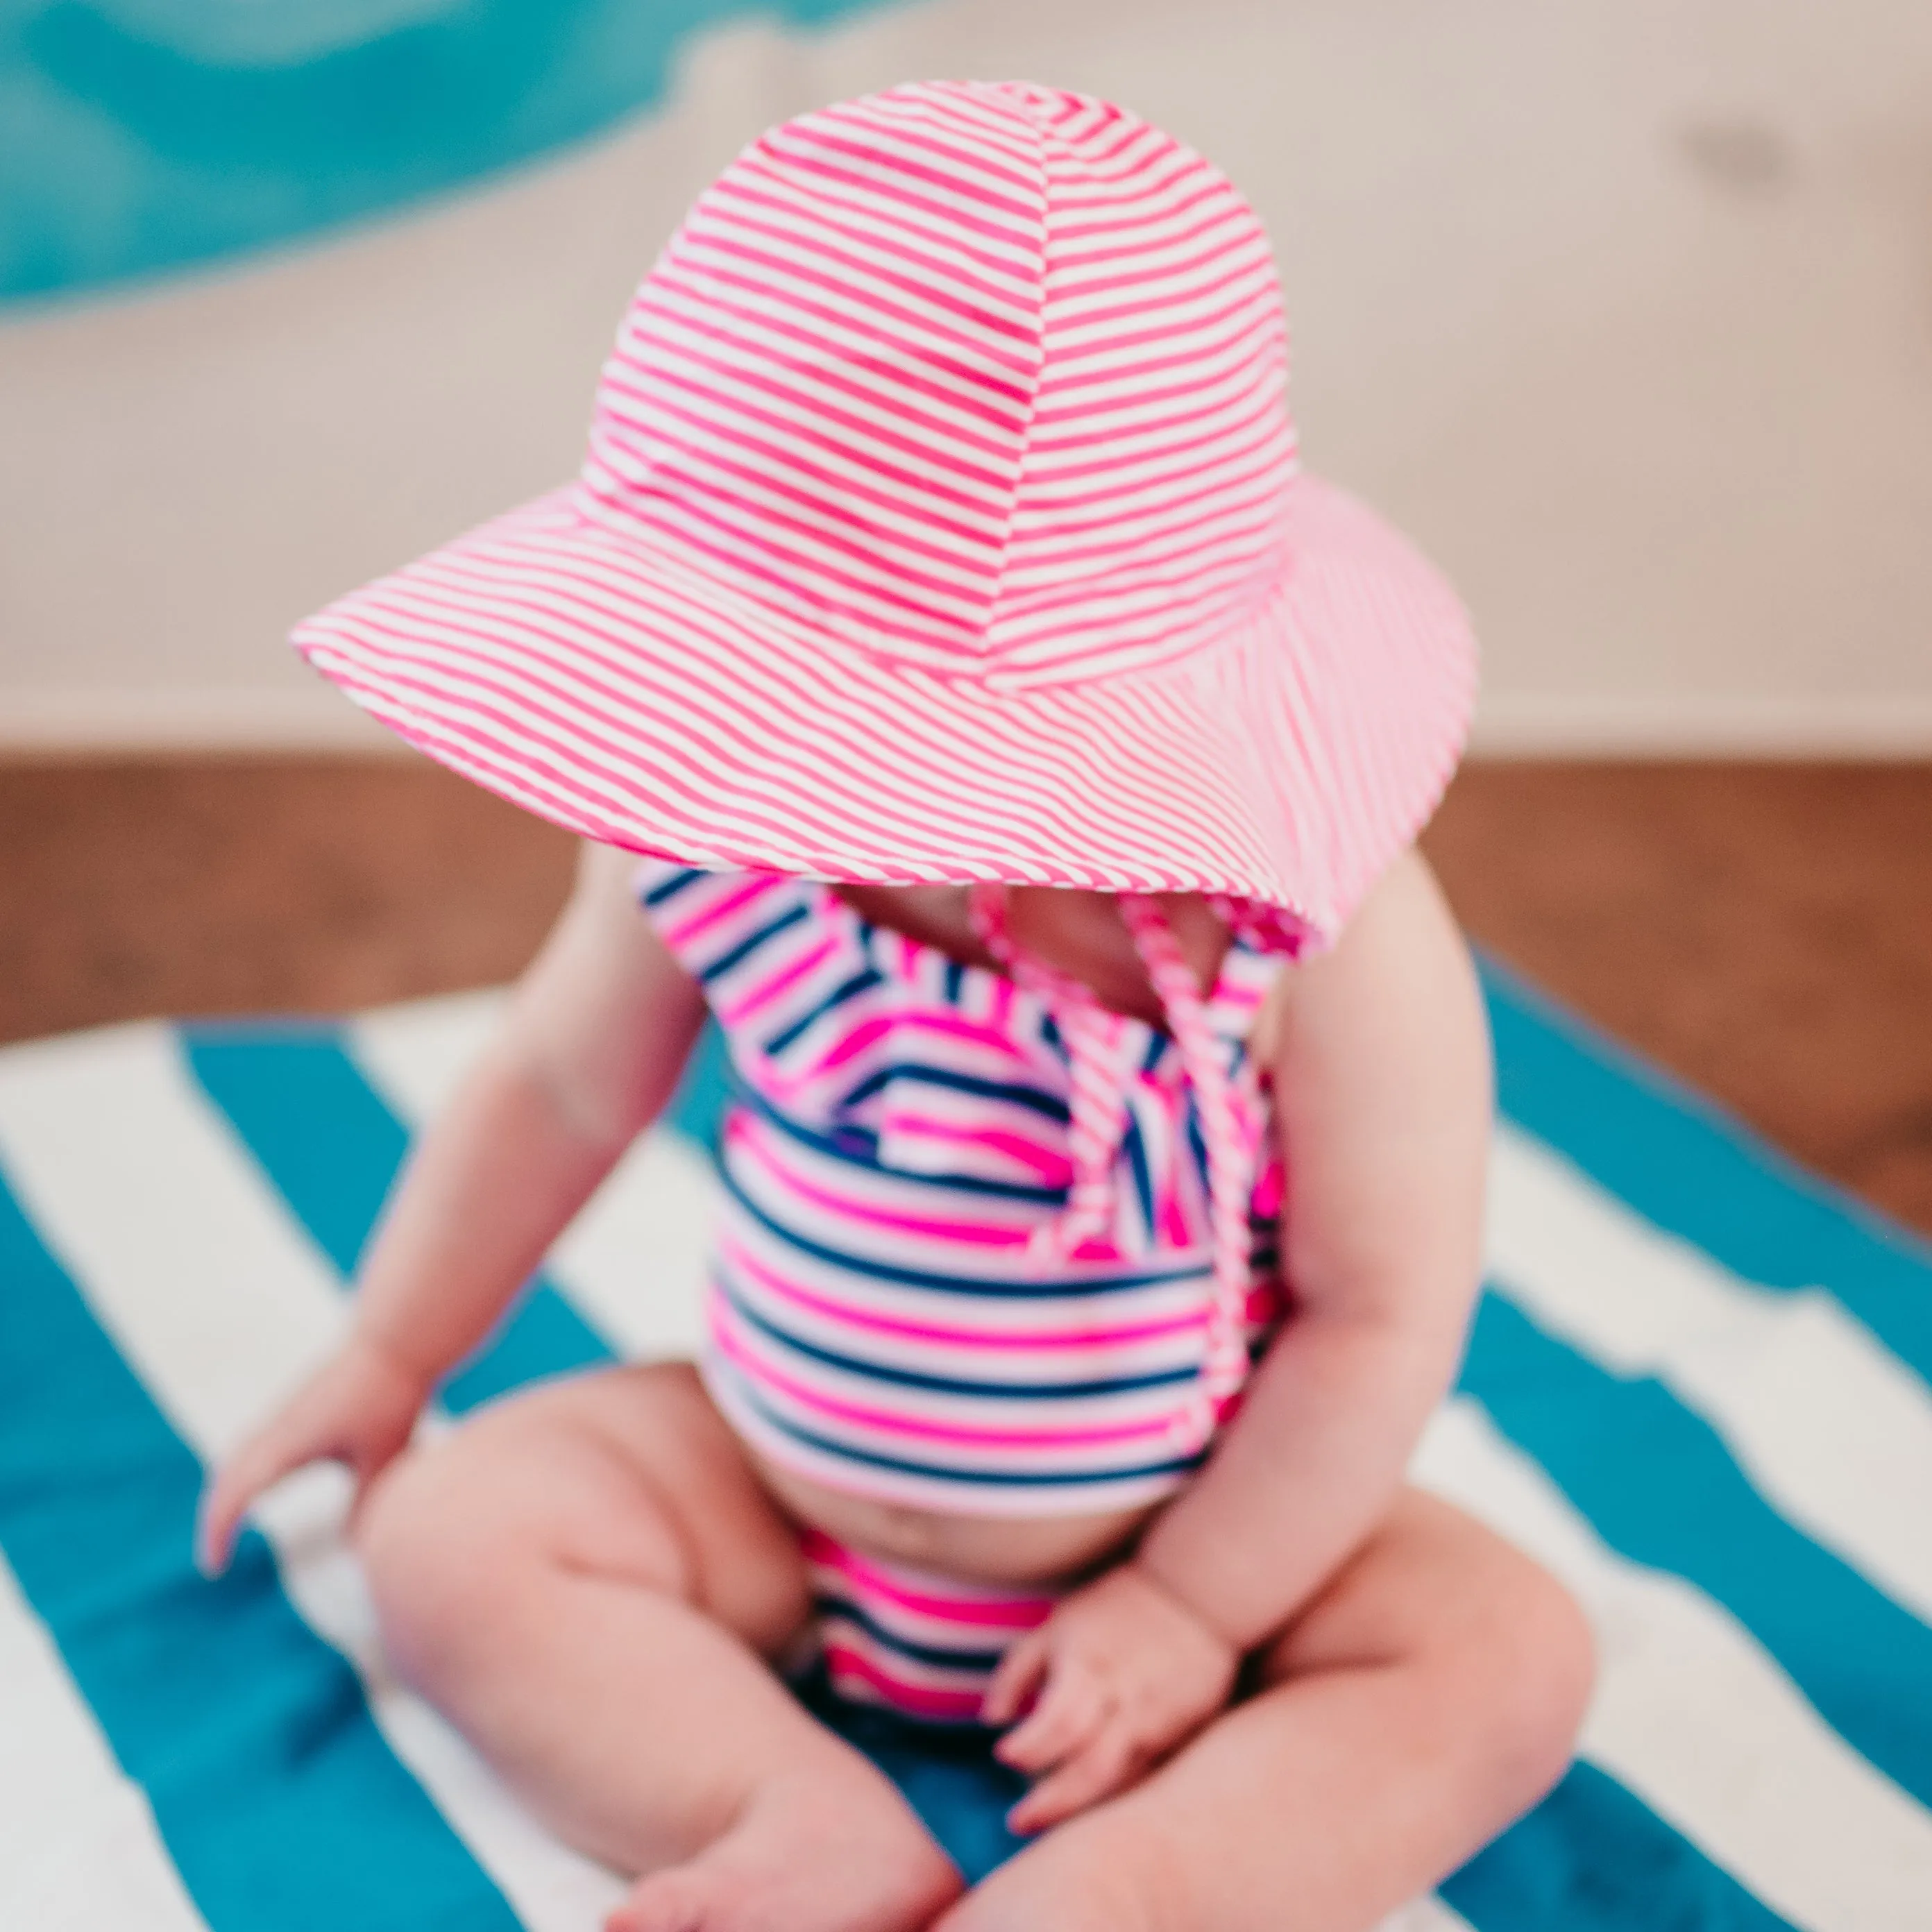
(1024, 758)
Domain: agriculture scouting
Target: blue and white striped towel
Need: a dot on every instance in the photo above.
(1697, 1390)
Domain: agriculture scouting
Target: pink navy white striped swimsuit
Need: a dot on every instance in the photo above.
(918, 1294)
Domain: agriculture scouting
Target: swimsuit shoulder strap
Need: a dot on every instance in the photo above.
(782, 963)
(718, 924)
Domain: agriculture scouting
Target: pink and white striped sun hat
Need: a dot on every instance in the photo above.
(941, 521)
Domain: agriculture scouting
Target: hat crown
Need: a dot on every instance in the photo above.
(987, 379)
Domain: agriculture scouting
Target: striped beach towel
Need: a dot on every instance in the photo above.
(1696, 1389)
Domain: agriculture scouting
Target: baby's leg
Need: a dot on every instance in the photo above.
(1431, 1694)
(589, 1581)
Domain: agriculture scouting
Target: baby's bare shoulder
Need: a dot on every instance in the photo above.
(1402, 938)
(604, 1015)
(1387, 1023)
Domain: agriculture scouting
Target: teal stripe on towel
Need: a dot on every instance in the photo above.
(279, 1800)
(1592, 1857)
(1658, 1485)
(331, 1147)
(1681, 1163)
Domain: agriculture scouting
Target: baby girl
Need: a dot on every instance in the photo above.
(969, 705)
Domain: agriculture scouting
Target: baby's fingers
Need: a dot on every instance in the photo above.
(1015, 1679)
(1071, 1709)
(223, 1502)
(1104, 1767)
(254, 1467)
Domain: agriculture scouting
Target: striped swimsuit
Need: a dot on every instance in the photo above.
(955, 1270)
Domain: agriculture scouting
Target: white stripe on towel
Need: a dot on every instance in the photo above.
(79, 1851)
(1834, 1431)
(1696, 1718)
(634, 1260)
(219, 1301)
(1427, 1914)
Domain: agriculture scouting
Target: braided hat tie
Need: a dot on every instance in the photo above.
(1098, 1044)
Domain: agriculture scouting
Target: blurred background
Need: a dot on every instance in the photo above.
(1624, 311)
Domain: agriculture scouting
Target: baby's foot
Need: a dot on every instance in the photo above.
(808, 1854)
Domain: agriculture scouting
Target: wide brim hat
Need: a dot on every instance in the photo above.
(942, 521)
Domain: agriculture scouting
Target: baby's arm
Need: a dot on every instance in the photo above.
(596, 1035)
(1383, 1095)
(1381, 1073)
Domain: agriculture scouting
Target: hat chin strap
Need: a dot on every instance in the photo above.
(1097, 1046)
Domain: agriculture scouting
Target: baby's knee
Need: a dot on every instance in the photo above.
(1540, 1671)
(438, 1558)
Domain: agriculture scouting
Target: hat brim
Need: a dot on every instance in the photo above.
(631, 699)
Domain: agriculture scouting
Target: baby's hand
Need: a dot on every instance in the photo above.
(357, 1409)
(1125, 1672)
